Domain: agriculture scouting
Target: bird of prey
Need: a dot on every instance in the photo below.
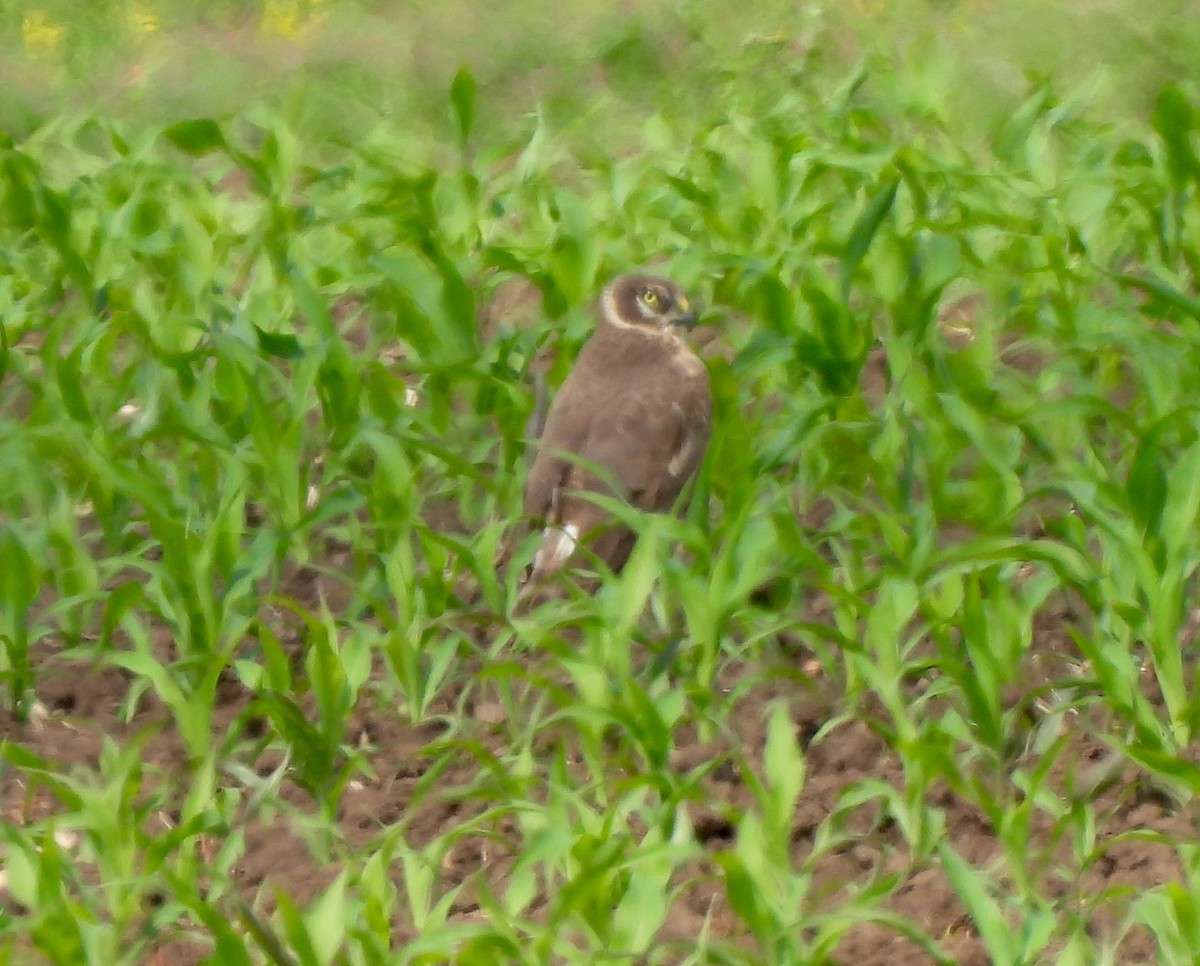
(631, 421)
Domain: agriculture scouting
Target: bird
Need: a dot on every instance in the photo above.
(632, 421)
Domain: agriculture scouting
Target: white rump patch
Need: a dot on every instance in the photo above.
(558, 543)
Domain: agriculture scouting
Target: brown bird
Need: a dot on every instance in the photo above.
(631, 421)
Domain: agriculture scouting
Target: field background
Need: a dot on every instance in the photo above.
(913, 681)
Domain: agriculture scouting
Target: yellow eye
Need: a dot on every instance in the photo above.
(650, 298)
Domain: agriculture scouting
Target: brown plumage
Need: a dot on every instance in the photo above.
(636, 407)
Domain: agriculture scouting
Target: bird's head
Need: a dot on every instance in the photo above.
(646, 302)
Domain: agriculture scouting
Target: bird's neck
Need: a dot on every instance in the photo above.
(625, 345)
(652, 334)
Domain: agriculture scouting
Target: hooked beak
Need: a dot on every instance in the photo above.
(685, 315)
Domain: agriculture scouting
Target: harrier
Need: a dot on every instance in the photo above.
(631, 421)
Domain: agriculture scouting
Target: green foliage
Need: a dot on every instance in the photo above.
(262, 391)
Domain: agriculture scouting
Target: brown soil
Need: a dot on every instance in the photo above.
(84, 705)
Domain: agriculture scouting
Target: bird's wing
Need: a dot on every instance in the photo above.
(567, 426)
(648, 443)
(645, 447)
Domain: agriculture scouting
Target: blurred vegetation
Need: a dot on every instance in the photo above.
(594, 70)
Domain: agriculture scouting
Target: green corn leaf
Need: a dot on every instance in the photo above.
(198, 136)
(462, 102)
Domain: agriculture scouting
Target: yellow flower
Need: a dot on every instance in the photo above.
(40, 36)
(292, 19)
(142, 20)
(282, 17)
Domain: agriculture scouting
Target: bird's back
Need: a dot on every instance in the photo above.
(636, 409)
